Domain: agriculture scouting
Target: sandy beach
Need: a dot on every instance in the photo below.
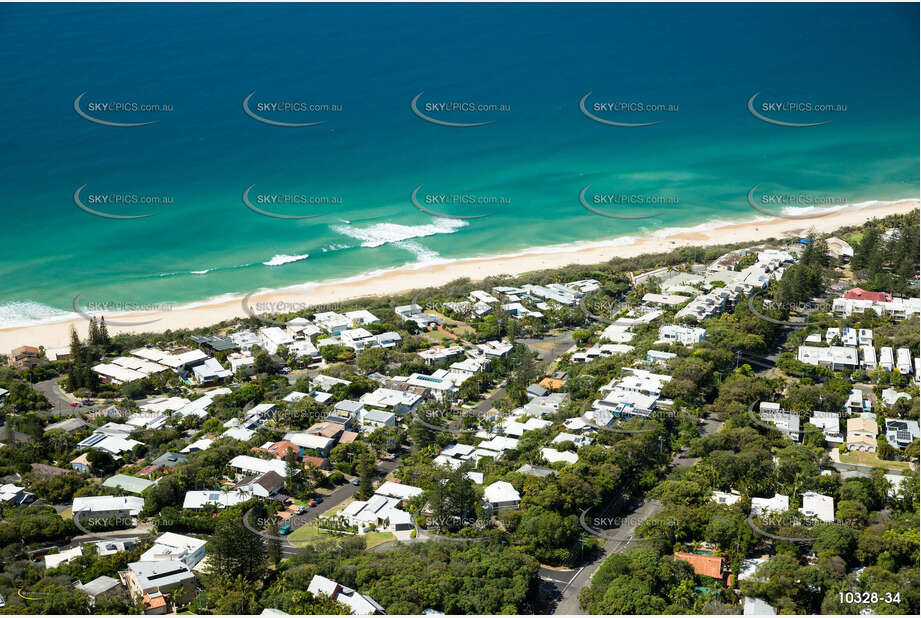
(407, 278)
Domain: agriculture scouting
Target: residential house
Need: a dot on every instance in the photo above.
(685, 335)
(24, 357)
(818, 506)
(103, 587)
(901, 432)
(777, 504)
(706, 565)
(171, 546)
(861, 434)
(836, 358)
(359, 603)
(728, 498)
(161, 577)
(501, 495)
(107, 507)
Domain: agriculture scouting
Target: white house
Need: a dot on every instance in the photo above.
(372, 419)
(172, 546)
(273, 338)
(104, 507)
(685, 335)
(777, 504)
(837, 358)
(219, 499)
(819, 506)
(501, 495)
(728, 498)
(246, 465)
(361, 604)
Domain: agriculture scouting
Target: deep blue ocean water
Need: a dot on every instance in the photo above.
(536, 61)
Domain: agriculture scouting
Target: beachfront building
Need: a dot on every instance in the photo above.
(272, 337)
(863, 302)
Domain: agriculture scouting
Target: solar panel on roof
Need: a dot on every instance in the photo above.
(903, 436)
(96, 438)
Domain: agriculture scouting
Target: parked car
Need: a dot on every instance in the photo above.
(312, 503)
(318, 499)
(356, 482)
(286, 529)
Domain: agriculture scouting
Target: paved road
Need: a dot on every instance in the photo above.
(569, 595)
(60, 402)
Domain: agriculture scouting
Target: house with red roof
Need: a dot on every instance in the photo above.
(706, 564)
(861, 294)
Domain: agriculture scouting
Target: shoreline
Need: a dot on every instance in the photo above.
(407, 277)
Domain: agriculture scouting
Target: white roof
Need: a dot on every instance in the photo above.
(165, 404)
(501, 491)
(220, 499)
(457, 450)
(500, 443)
(723, 497)
(172, 546)
(294, 396)
(309, 440)
(822, 507)
(552, 455)
(198, 445)
(254, 464)
(777, 504)
(398, 490)
(239, 433)
(361, 316)
(97, 504)
(52, 561)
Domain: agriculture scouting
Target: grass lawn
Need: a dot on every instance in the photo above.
(373, 539)
(304, 535)
(437, 336)
(870, 459)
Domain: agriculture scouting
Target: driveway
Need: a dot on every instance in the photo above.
(334, 499)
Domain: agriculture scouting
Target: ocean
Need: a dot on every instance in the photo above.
(352, 71)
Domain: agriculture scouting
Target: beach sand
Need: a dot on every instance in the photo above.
(398, 280)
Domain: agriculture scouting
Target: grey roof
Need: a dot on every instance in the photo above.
(537, 389)
(169, 459)
(68, 425)
(100, 585)
(539, 471)
(379, 416)
(218, 343)
(131, 484)
(349, 405)
(159, 573)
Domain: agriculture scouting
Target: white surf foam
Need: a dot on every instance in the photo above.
(281, 258)
(384, 233)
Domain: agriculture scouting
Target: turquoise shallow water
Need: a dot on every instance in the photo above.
(372, 60)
